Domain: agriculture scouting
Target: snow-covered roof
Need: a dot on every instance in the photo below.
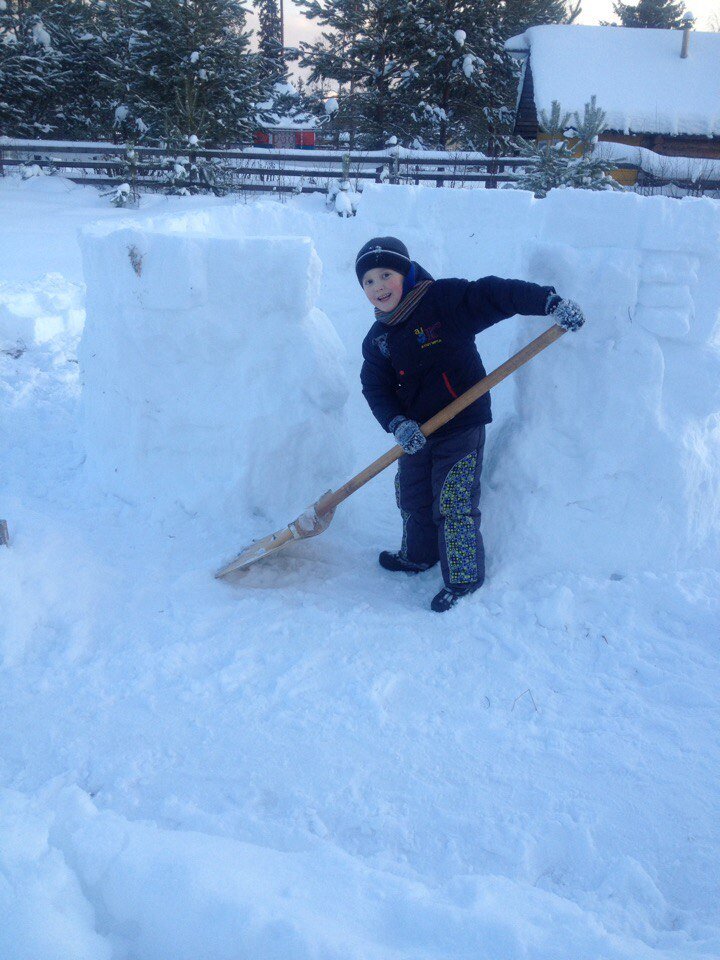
(638, 76)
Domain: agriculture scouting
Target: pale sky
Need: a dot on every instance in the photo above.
(298, 28)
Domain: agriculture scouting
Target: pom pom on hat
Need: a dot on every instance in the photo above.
(383, 252)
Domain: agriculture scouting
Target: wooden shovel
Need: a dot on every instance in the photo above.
(316, 518)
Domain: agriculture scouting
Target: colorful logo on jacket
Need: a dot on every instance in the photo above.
(428, 336)
(382, 344)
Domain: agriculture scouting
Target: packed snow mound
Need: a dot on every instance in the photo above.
(207, 370)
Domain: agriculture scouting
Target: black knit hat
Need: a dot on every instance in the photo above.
(383, 252)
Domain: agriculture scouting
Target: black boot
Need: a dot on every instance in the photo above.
(449, 596)
(400, 564)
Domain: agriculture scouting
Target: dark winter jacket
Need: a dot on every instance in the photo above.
(419, 366)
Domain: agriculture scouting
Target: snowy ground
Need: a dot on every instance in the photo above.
(308, 763)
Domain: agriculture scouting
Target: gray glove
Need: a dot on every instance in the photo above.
(566, 313)
(407, 433)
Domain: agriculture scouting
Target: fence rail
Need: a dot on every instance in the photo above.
(269, 170)
(256, 169)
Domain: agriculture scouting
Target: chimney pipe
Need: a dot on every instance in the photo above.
(688, 21)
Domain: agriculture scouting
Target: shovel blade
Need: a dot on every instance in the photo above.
(309, 524)
(256, 551)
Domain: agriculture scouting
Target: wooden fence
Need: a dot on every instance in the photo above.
(281, 171)
(297, 171)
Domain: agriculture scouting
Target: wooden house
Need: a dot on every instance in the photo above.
(660, 89)
(286, 135)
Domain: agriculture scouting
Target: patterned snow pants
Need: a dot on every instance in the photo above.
(438, 493)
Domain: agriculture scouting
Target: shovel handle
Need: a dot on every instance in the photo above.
(332, 498)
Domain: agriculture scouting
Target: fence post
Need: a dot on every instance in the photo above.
(394, 166)
(131, 161)
(491, 168)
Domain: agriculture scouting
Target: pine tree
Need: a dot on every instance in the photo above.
(75, 31)
(430, 72)
(31, 71)
(284, 101)
(190, 71)
(458, 73)
(270, 38)
(59, 75)
(112, 72)
(554, 162)
(363, 51)
(661, 14)
(517, 15)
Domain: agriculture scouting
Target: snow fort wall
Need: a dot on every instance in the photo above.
(609, 460)
(210, 380)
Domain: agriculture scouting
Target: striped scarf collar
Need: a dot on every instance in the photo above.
(406, 306)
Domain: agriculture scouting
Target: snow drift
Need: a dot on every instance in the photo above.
(207, 371)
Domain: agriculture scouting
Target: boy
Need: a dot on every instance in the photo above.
(417, 357)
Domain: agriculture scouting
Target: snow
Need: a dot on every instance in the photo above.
(680, 168)
(460, 37)
(48, 309)
(41, 36)
(307, 762)
(319, 155)
(649, 89)
(294, 120)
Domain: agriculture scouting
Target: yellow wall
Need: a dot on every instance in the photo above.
(628, 178)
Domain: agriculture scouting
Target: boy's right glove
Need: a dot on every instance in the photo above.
(407, 433)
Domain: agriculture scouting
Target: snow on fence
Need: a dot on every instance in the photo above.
(258, 169)
(303, 171)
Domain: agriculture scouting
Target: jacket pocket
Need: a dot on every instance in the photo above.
(449, 386)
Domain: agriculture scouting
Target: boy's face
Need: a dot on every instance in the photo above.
(383, 287)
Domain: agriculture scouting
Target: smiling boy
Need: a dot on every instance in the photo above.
(418, 356)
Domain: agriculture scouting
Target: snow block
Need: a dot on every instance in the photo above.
(210, 380)
(37, 312)
(614, 457)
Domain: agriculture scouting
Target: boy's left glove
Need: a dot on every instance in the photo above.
(407, 433)
(566, 313)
